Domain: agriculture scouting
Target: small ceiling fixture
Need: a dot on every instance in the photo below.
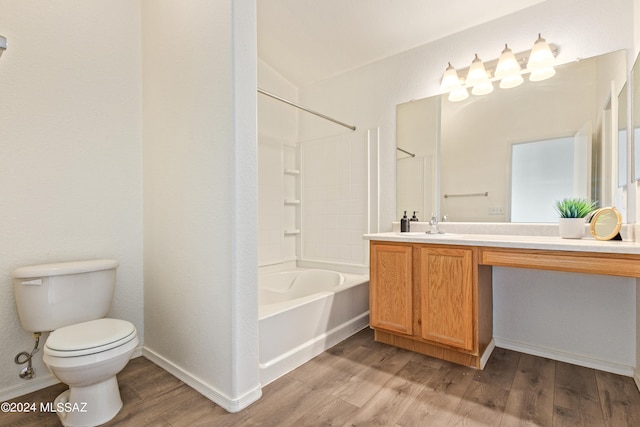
(540, 65)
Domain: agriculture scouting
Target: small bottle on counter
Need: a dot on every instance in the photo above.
(434, 224)
(414, 217)
(404, 223)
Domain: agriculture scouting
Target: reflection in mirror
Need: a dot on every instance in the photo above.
(471, 144)
(416, 178)
(540, 176)
(622, 137)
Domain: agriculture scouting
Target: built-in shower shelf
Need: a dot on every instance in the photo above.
(292, 171)
(291, 201)
(291, 232)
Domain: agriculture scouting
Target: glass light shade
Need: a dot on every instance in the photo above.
(507, 64)
(477, 74)
(541, 55)
(482, 88)
(542, 74)
(511, 81)
(459, 94)
(450, 79)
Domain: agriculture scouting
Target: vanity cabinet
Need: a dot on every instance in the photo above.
(432, 299)
(390, 293)
(445, 283)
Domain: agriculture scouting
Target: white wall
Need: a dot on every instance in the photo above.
(580, 318)
(200, 195)
(336, 199)
(367, 97)
(70, 153)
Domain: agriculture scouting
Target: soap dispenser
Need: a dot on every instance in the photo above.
(414, 217)
(404, 223)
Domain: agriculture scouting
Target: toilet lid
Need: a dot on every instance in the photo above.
(90, 337)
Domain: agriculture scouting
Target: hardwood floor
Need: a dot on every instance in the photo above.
(363, 383)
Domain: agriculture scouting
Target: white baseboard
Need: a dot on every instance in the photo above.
(636, 377)
(487, 353)
(562, 356)
(229, 404)
(29, 386)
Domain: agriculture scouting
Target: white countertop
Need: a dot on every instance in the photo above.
(554, 243)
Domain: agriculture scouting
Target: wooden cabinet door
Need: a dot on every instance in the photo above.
(446, 296)
(390, 301)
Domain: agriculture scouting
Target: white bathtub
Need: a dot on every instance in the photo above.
(303, 312)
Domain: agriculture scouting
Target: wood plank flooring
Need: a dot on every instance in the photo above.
(363, 383)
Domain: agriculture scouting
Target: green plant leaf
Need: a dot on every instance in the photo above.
(575, 208)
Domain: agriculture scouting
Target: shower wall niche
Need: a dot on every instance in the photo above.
(292, 202)
(278, 200)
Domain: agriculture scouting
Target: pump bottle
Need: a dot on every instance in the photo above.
(404, 223)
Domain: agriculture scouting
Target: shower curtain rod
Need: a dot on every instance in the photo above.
(293, 104)
(405, 151)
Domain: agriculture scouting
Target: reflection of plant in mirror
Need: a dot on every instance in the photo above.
(575, 208)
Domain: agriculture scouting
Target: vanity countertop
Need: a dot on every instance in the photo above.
(552, 243)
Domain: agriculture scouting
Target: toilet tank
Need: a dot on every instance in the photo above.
(50, 296)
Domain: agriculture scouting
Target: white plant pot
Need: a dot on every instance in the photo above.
(571, 228)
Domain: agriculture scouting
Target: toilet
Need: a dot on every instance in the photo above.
(84, 350)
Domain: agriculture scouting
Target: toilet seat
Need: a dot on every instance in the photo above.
(90, 337)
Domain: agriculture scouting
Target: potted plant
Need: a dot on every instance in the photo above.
(572, 216)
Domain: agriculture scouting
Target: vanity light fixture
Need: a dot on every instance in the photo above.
(3, 44)
(478, 78)
(508, 71)
(450, 79)
(451, 83)
(541, 61)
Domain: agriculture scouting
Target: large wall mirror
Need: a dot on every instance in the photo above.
(509, 155)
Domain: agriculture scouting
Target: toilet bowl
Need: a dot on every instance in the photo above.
(87, 356)
(84, 350)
